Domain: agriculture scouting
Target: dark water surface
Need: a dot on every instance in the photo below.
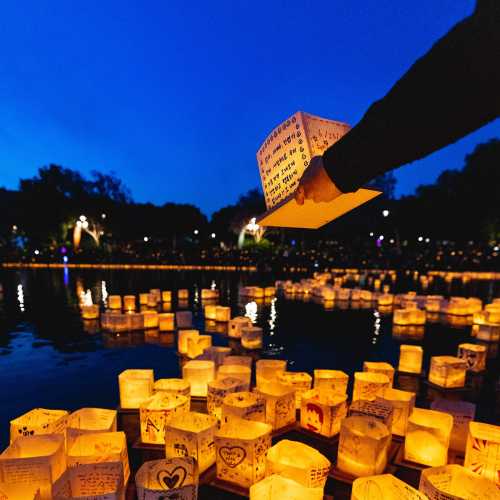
(50, 358)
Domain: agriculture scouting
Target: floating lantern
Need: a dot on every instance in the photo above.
(166, 322)
(383, 487)
(156, 412)
(322, 410)
(114, 302)
(447, 371)
(333, 380)
(198, 373)
(363, 446)
(175, 478)
(135, 387)
(379, 367)
(410, 359)
(267, 370)
(251, 337)
(385, 299)
(129, 303)
(38, 421)
(377, 409)
(19, 491)
(166, 296)
(474, 356)
(173, 386)
(366, 295)
(241, 447)
(211, 312)
(236, 326)
(183, 294)
(156, 293)
(218, 354)
(428, 437)
(269, 291)
(90, 311)
(402, 403)
(150, 319)
(409, 317)
(135, 321)
(488, 332)
(143, 299)
(244, 405)
(238, 360)
(217, 390)
(280, 404)
(192, 435)
(433, 303)
(182, 339)
(276, 487)
(368, 385)
(298, 381)
(236, 371)
(90, 420)
(223, 313)
(198, 345)
(184, 319)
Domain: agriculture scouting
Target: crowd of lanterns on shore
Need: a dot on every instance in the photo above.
(228, 420)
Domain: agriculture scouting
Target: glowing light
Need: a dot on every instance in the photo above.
(371, 234)
(427, 240)
(20, 297)
(272, 317)
(385, 213)
(37, 252)
(251, 311)
(104, 293)
(213, 285)
(86, 298)
(496, 248)
(103, 216)
(391, 240)
(146, 239)
(83, 218)
(420, 238)
(381, 237)
(213, 235)
(252, 226)
(196, 231)
(65, 259)
(14, 228)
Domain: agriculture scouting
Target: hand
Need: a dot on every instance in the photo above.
(315, 184)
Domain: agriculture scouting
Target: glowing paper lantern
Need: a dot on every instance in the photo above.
(241, 447)
(197, 345)
(143, 299)
(89, 420)
(238, 360)
(150, 319)
(298, 381)
(198, 373)
(210, 311)
(244, 405)
(182, 339)
(363, 446)
(379, 367)
(333, 380)
(114, 302)
(383, 487)
(90, 311)
(166, 296)
(276, 487)
(447, 371)
(217, 390)
(298, 462)
(236, 326)
(322, 410)
(402, 403)
(38, 421)
(192, 435)
(409, 317)
(280, 404)
(377, 409)
(488, 332)
(236, 371)
(410, 359)
(173, 386)
(153, 300)
(267, 370)
(183, 294)
(428, 437)
(129, 303)
(184, 319)
(474, 355)
(368, 385)
(166, 322)
(222, 313)
(251, 337)
(175, 478)
(19, 491)
(135, 387)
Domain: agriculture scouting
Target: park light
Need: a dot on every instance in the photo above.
(213, 235)
(83, 218)
(391, 240)
(496, 248)
(37, 252)
(427, 240)
(420, 238)
(85, 224)
(252, 226)
(146, 239)
(103, 216)
(381, 237)
(14, 228)
(371, 234)
(385, 213)
(196, 231)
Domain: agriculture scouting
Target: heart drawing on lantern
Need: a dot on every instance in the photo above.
(173, 479)
(232, 455)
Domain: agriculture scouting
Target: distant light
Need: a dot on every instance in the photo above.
(391, 240)
(213, 235)
(381, 237)
(37, 252)
(14, 228)
(196, 231)
(420, 238)
(427, 240)
(83, 218)
(103, 216)
(371, 234)
(496, 249)
(146, 239)
(385, 213)
(65, 259)
(85, 224)
(101, 233)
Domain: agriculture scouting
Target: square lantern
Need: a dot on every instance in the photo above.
(129, 303)
(152, 300)
(210, 311)
(384, 487)
(474, 356)
(236, 326)
(196, 346)
(182, 339)
(183, 294)
(89, 420)
(488, 332)
(143, 299)
(34, 461)
(267, 370)
(135, 321)
(173, 386)
(241, 447)
(276, 487)
(244, 405)
(363, 446)
(377, 409)
(385, 299)
(192, 435)
(298, 461)
(166, 322)
(222, 313)
(482, 454)
(236, 371)
(300, 382)
(251, 337)
(238, 360)
(410, 359)
(38, 421)
(369, 385)
(198, 373)
(380, 367)
(9, 491)
(408, 316)
(157, 294)
(447, 371)
(322, 410)
(333, 380)
(168, 478)
(114, 302)
(90, 311)
(402, 403)
(280, 404)
(216, 392)
(166, 296)
(150, 319)
(184, 319)
(428, 437)
(135, 387)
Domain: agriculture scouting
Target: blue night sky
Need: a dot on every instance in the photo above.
(177, 96)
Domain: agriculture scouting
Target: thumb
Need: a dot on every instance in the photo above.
(300, 195)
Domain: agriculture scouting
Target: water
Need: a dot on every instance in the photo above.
(50, 358)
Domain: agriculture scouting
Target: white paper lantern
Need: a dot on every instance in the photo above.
(135, 387)
(474, 356)
(184, 319)
(244, 405)
(236, 371)
(376, 409)
(182, 339)
(166, 322)
(236, 326)
(447, 371)
(251, 337)
(298, 381)
(410, 359)
(267, 370)
(402, 403)
(280, 404)
(90, 420)
(368, 385)
(276, 487)
(380, 367)
(173, 386)
(198, 373)
(322, 410)
(216, 392)
(383, 487)
(38, 421)
(238, 360)
(334, 380)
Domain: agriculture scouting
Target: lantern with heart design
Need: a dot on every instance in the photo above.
(241, 447)
(380, 367)
(447, 371)
(88, 420)
(333, 380)
(384, 487)
(236, 326)
(244, 373)
(402, 403)
(38, 421)
(280, 404)
(410, 359)
(368, 385)
(192, 435)
(171, 478)
(322, 411)
(135, 387)
(474, 355)
(218, 390)
(246, 405)
(276, 487)
(300, 382)
(199, 373)
(19, 491)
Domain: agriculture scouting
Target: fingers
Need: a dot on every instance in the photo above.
(300, 195)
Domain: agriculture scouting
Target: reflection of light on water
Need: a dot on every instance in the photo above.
(251, 311)
(213, 286)
(196, 295)
(66, 276)
(272, 317)
(376, 329)
(20, 297)
(104, 293)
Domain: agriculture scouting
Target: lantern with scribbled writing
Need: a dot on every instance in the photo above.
(377, 409)
(244, 405)
(410, 358)
(198, 373)
(114, 302)
(192, 435)
(38, 421)
(280, 404)
(267, 370)
(428, 437)
(298, 381)
(333, 380)
(237, 371)
(166, 296)
(129, 303)
(19, 491)
(236, 326)
(135, 387)
(474, 356)
(363, 446)
(241, 447)
(251, 337)
(182, 339)
(89, 420)
(383, 487)
(276, 487)
(402, 403)
(447, 371)
(166, 322)
(368, 385)
(380, 367)
(322, 410)
(223, 313)
(217, 390)
(173, 386)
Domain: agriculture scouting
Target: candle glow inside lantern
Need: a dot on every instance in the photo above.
(244, 405)
(19, 491)
(222, 313)
(129, 303)
(474, 356)
(150, 319)
(90, 420)
(184, 319)
(363, 446)
(135, 387)
(409, 316)
(183, 294)
(300, 382)
(217, 390)
(236, 326)
(410, 359)
(175, 478)
(280, 404)
(173, 386)
(333, 380)
(322, 410)
(90, 311)
(402, 403)
(152, 300)
(447, 371)
(267, 370)
(198, 373)
(182, 339)
(251, 337)
(237, 371)
(196, 345)
(38, 460)
(428, 437)
(299, 462)
(114, 302)
(482, 454)
(166, 296)
(143, 299)
(380, 367)
(383, 487)
(276, 487)
(368, 385)
(38, 421)
(241, 447)
(192, 435)
(210, 311)
(385, 299)
(166, 322)
(376, 409)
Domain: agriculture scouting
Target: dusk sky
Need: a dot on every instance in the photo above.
(177, 96)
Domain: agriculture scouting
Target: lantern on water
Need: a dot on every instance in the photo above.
(183, 294)
(402, 403)
(383, 487)
(236, 326)
(184, 319)
(474, 356)
(129, 303)
(173, 386)
(238, 360)
(297, 461)
(197, 345)
(380, 367)
(19, 491)
(222, 313)
(38, 421)
(143, 299)
(166, 296)
(333, 380)
(192, 435)
(322, 410)
(114, 302)
(368, 385)
(166, 322)
(198, 373)
(298, 381)
(217, 354)
(377, 409)
(210, 311)
(276, 487)
(90, 311)
(410, 358)
(447, 371)
(428, 437)
(488, 332)
(90, 420)
(182, 339)
(156, 293)
(363, 446)
(150, 319)
(135, 387)
(244, 405)
(280, 404)
(251, 337)
(409, 317)
(385, 299)
(217, 390)
(267, 370)
(167, 478)
(153, 300)
(241, 447)
(236, 371)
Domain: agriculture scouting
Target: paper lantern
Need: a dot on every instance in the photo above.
(409, 317)
(333, 380)
(363, 446)
(447, 371)
(175, 478)
(38, 421)
(183, 294)
(482, 454)
(135, 387)
(267, 370)
(238, 360)
(322, 410)
(153, 300)
(182, 339)
(269, 291)
(454, 482)
(89, 420)
(129, 303)
(488, 332)
(150, 319)
(184, 319)
(428, 437)
(135, 321)
(198, 373)
(236, 326)
(143, 299)
(378, 367)
(280, 404)
(197, 345)
(385, 299)
(402, 403)
(210, 311)
(251, 337)
(383, 487)
(241, 447)
(298, 461)
(298, 381)
(166, 322)
(368, 385)
(222, 313)
(236, 371)
(474, 356)
(244, 405)
(38, 461)
(166, 296)
(192, 435)
(114, 302)
(19, 491)
(276, 487)
(173, 386)
(217, 390)
(410, 359)
(377, 409)
(90, 311)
